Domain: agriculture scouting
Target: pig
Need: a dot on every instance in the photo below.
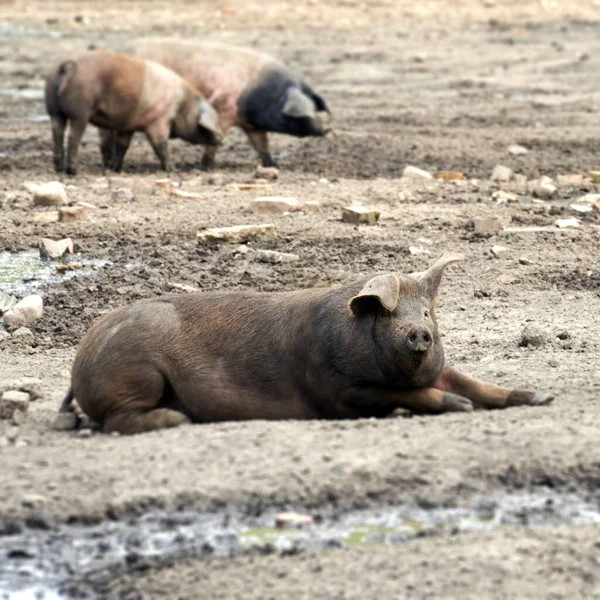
(359, 350)
(121, 94)
(249, 89)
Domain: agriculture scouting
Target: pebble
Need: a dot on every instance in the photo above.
(271, 173)
(85, 433)
(581, 208)
(11, 401)
(311, 207)
(544, 190)
(25, 312)
(360, 215)
(292, 519)
(499, 251)
(65, 421)
(6, 302)
(269, 205)
(31, 385)
(501, 173)
(532, 336)
(500, 196)
(238, 233)
(562, 223)
(411, 172)
(481, 224)
(270, 256)
(55, 249)
(215, 179)
(517, 150)
(524, 261)
(22, 332)
(68, 214)
(50, 194)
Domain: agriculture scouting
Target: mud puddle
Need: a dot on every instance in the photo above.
(40, 562)
(23, 272)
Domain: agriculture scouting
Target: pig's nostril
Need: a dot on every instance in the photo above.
(426, 337)
(412, 337)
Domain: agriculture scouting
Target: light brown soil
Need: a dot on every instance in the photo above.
(443, 86)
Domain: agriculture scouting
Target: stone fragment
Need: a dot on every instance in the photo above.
(50, 194)
(25, 312)
(532, 336)
(482, 224)
(592, 199)
(122, 194)
(6, 302)
(311, 207)
(50, 216)
(68, 214)
(517, 150)
(360, 215)
(501, 173)
(544, 189)
(182, 287)
(500, 196)
(415, 251)
(270, 256)
(65, 421)
(573, 179)
(271, 173)
(238, 233)
(274, 205)
(292, 519)
(411, 172)
(186, 195)
(499, 251)
(85, 433)
(581, 208)
(30, 385)
(12, 401)
(562, 223)
(22, 332)
(55, 249)
(450, 175)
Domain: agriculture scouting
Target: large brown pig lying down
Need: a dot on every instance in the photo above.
(121, 95)
(361, 350)
(249, 89)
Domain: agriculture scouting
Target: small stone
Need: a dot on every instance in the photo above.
(291, 519)
(50, 216)
(68, 214)
(563, 335)
(532, 336)
(574, 179)
(524, 261)
(481, 224)
(501, 196)
(186, 195)
(269, 173)
(311, 207)
(55, 249)
(50, 194)
(85, 433)
(499, 251)
(544, 190)
(270, 256)
(411, 172)
(450, 175)
(6, 302)
(360, 215)
(30, 385)
(182, 287)
(592, 199)
(25, 312)
(581, 208)
(517, 150)
(65, 421)
(501, 173)
(238, 233)
(562, 223)
(123, 194)
(274, 205)
(415, 251)
(12, 401)
(18, 418)
(22, 332)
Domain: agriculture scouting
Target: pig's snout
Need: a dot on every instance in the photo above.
(419, 339)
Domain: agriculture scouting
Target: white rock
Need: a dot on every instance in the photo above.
(6, 302)
(290, 519)
(358, 215)
(270, 256)
(12, 401)
(65, 421)
(567, 222)
(499, 251)
(581, 208)
(411, 172)
(501, 173)
(50, 194)
(238, 233)
(593, 199)
(517, 150)
(25, 312)
(500, 196)
(415, 251)
(55, 249)
(268, 205)
(544, 190)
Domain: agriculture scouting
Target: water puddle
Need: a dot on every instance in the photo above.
(38, 563)
(23, 272)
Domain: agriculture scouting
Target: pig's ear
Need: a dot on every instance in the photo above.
(208, 117)
(381, 291)
(298, 104)
(430, 279)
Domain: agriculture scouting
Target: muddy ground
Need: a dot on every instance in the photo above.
(444, 86)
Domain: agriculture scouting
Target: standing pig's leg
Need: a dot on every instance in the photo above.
(260, 142)
(208, 158)
(486, 395)
(76, 130)
(121, 145)
(108, 140)
(138, 422)
(58, 137)
(158, 136)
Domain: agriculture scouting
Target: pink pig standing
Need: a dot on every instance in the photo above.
(121, 95)
(248, 89)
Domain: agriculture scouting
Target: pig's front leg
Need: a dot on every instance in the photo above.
(158, 136)
(260, 142)
(107, 147)
(486, 395)
(58, 137)
(208, 158)
(121, 145)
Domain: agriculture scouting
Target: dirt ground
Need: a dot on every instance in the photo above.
(439, 85)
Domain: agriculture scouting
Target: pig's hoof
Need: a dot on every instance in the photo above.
(269, 161)
(540, 399)
(71, 171)
(522, 398)
(207, 163)
(455, 403)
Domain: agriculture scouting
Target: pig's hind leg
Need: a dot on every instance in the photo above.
(139, 422)
(59, 123)
(108, 140)
(260, 142)
(158, 136)
(122, 143)
(487, 395)
(77, 127)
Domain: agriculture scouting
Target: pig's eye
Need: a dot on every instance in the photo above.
(426, 314)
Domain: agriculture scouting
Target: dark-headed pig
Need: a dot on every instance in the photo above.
(249, 89)
(360, 350)
(122, 94)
